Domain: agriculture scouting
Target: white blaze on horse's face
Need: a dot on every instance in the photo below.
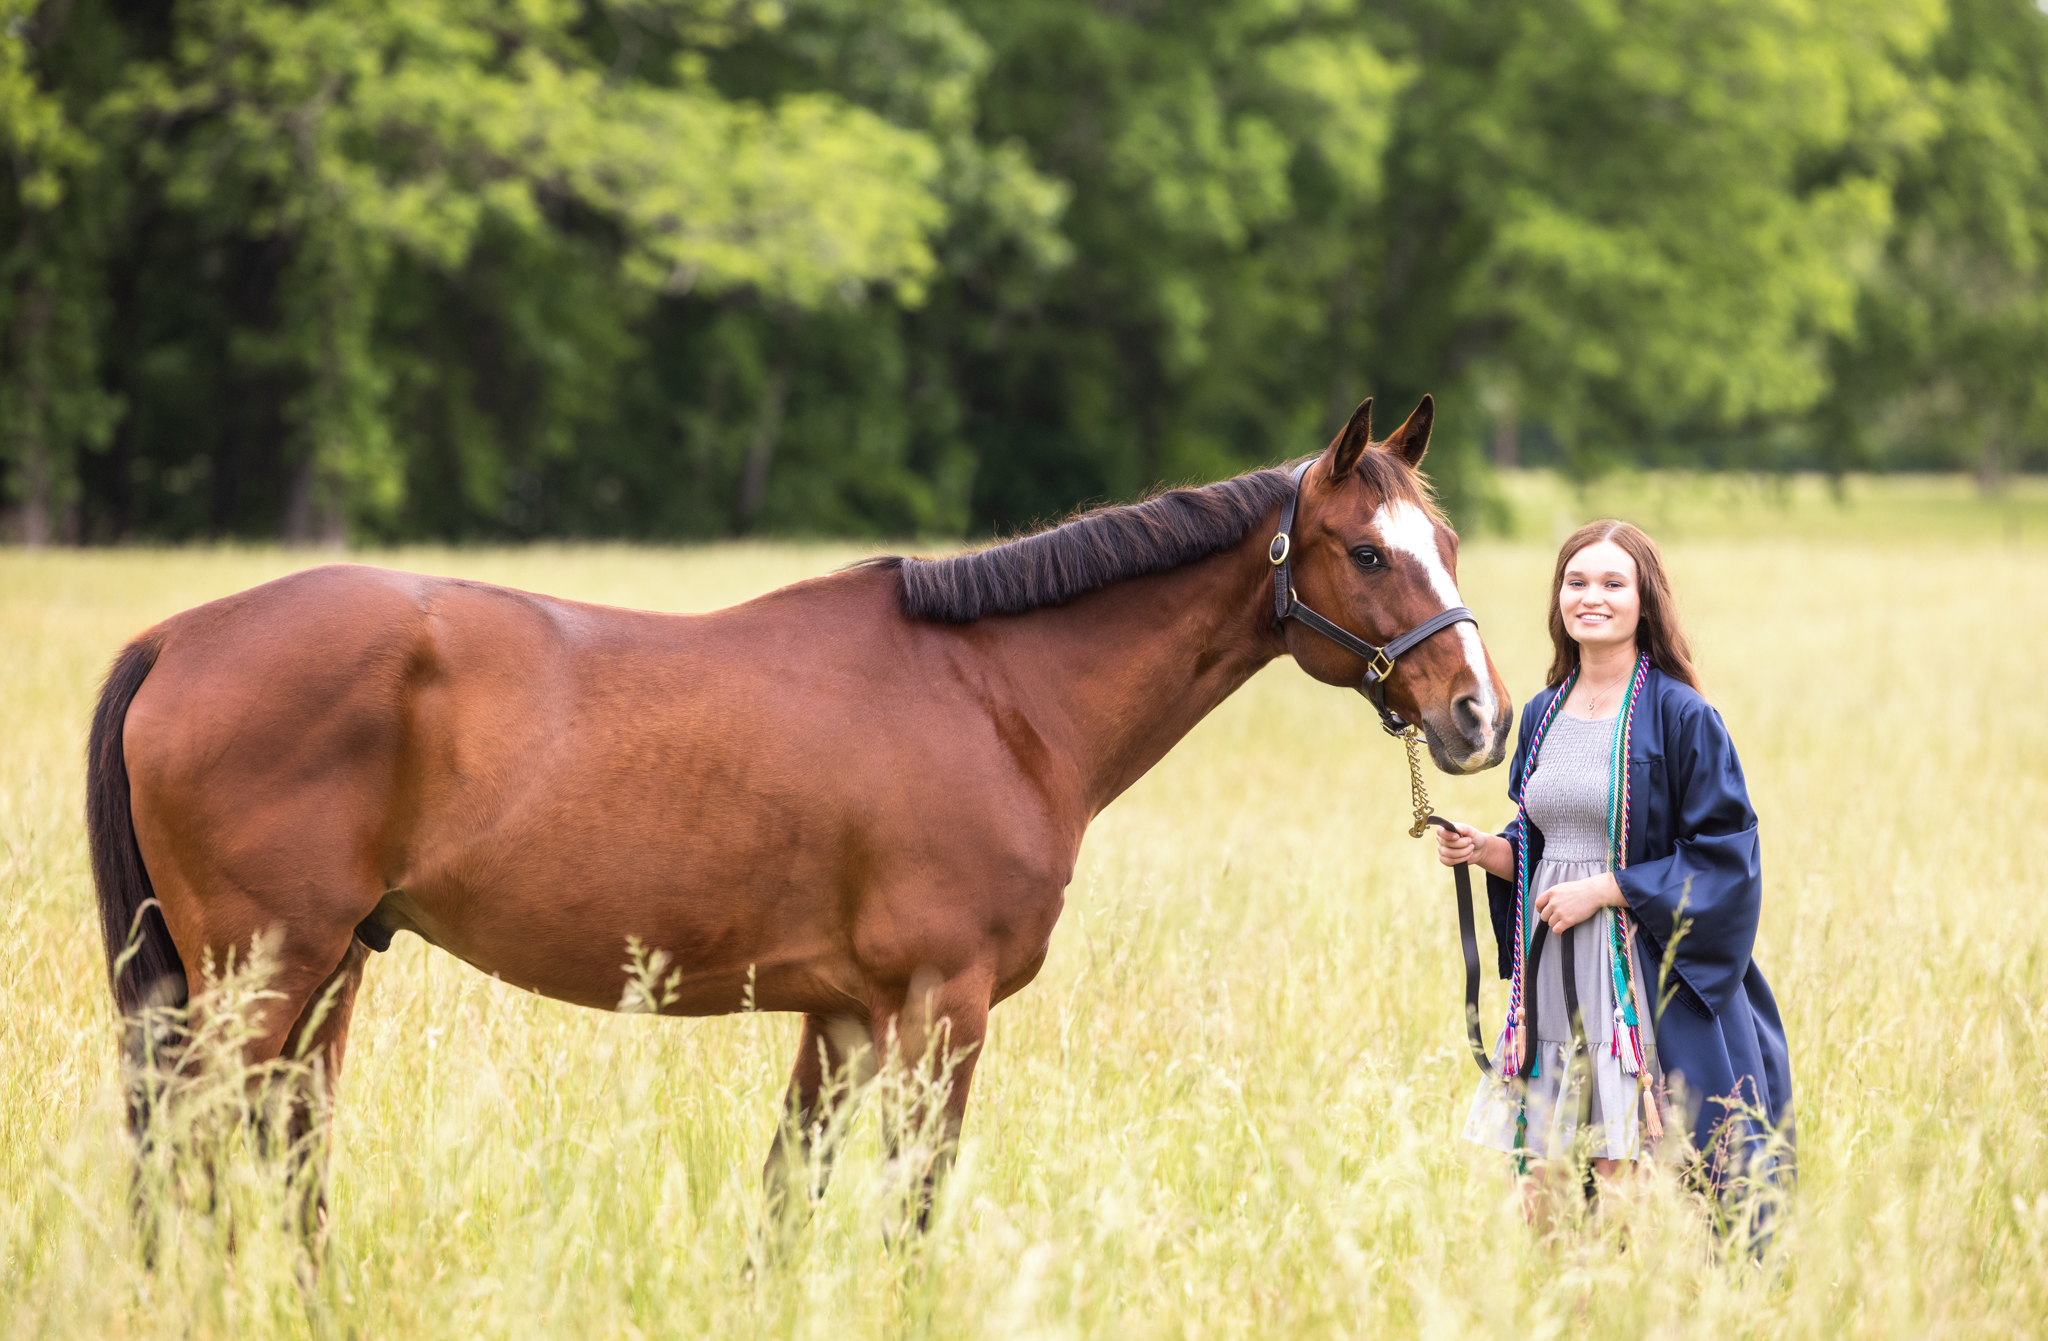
(1405, 528)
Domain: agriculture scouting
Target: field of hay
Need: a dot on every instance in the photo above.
(1229, 1105)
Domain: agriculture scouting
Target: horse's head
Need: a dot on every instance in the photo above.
(1371, 553)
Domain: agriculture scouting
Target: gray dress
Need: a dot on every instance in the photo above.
(1567, 800)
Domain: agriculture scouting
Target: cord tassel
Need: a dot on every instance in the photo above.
(1628, 1045)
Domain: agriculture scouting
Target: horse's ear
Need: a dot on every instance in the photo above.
(1351, 443)
(1411, 440)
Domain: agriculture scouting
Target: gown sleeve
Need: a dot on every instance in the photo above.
(1699, 905)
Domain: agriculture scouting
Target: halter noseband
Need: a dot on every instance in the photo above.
(1379, 661)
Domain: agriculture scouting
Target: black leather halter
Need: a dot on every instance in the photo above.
(1379, 661)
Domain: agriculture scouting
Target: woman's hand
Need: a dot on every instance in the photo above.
(1489, 852)
(1564, 906)
(1457, 848)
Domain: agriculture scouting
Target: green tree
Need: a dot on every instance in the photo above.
(1949, 364)
(1635, 224)
(356, 145)
(1223, 159)
(669, 268)
(59, 205)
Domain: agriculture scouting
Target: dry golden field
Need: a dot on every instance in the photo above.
(1229, 1104)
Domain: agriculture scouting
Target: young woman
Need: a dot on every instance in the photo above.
(1635, 838)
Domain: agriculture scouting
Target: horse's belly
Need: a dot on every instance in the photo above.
(706, 952)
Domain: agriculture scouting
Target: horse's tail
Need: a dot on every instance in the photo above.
(143, 967)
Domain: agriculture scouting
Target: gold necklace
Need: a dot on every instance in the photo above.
(1593, 700)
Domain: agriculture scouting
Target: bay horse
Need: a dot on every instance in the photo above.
(853, 797)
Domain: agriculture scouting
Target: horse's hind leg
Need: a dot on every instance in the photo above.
(833, 1061)
(292, 1045)
(276, 1008)
(317, 1041)
(262, 1050)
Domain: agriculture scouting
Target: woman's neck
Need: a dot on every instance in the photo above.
(1603, 665)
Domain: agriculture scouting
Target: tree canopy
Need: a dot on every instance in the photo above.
(476, 269)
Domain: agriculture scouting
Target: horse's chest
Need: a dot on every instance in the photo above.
(1026, 938)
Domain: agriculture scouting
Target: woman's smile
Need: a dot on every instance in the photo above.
(1600, 600)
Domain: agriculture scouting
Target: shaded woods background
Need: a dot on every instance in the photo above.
(682, 268)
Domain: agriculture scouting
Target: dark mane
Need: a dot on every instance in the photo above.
(1108, 545)
(1087, 552)
(1111, 544)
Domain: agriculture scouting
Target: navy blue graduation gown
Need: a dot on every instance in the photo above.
(1692, 857)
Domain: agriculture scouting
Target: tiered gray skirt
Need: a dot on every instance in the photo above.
(1616, 1127)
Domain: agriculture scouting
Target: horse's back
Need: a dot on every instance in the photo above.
(349, 661)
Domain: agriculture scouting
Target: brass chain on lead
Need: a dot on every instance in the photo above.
(1419, 794)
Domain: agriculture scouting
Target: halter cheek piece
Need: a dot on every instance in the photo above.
(1379, 661)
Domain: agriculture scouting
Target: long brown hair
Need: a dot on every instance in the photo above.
(1657, 632)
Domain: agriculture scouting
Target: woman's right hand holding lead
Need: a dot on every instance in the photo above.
(1455, 849)
(1488, 851)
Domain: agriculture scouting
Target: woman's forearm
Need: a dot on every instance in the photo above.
(1495, 855)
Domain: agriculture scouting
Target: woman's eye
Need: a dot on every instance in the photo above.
(1365, 556)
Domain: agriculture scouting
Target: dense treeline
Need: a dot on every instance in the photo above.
(673, 268)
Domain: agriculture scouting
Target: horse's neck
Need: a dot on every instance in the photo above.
(1127, 671)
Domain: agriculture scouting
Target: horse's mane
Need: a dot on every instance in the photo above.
(1108, 545)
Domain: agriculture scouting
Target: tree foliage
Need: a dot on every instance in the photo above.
(671, 268)
(1948, 362)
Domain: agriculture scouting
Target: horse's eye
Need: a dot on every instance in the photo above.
(1365, 556)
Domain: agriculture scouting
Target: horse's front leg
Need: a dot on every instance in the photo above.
(932, 1041)
(833, 1062)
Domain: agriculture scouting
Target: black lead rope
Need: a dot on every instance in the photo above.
(1468, 935)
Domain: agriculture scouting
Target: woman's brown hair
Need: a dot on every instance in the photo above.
(1657, 633)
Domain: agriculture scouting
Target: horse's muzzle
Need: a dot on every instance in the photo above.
(1465, 739)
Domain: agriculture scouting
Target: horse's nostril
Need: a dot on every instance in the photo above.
(1471, 721)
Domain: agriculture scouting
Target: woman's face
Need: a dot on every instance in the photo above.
(1600, 601)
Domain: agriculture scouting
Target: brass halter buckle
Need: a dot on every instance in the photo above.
(1379, 668)
(1276, 553)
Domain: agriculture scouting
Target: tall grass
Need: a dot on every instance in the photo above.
(1228, 1106)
